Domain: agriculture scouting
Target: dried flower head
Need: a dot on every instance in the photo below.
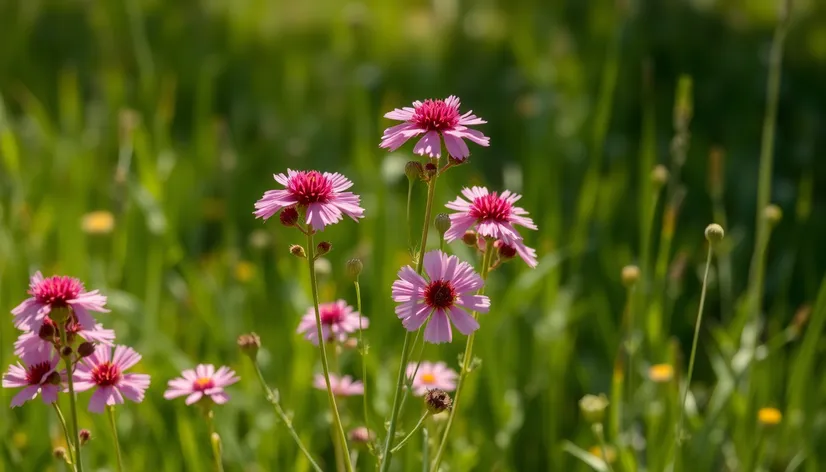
(249, 344)
(298, 251)
(437, 401)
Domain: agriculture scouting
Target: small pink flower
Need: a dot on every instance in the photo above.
(57, 292)
(35, 341)
(36, 374)
(322, 196)
(430, 376)
(202, 381)
(446, 294)
(104, 371)
(435, 118)
(492, 216)
(338, 319)
(341, 386)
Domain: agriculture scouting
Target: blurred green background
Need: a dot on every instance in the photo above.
(172, 116)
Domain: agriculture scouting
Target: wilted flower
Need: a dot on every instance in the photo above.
(338, 319)
(57, 293)
(105, 371)
(203, 381)
(430, 376)
(36, 374)
(341, 386)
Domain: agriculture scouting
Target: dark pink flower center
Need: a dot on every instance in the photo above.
(57, 290)
(36, 372)
(331, 315)
(310, 187)
(491, 207)
(436, 115)
(440, 294)
(203, 383)
(106, 374)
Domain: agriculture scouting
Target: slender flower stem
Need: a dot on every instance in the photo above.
(339, 429)
(466, 358)
(62, 420)
(412, 432)
(363, 352)
(409, 223)
(111, 411)
(600, 434)
(276, 404)
(694, 347)
(72, 403)
(409, 379)
(394, 413)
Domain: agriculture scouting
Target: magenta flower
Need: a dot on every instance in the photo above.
(493, 216)
(338, 319)
(202, 381)
(446, 294)
(322, 196)
(36, 374)
(104, 371)
(341, 386)
(437, 119)
(47, 336)
(57, 292)
(430, 376)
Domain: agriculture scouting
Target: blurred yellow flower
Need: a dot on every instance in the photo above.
(610, 453)
(661, 373)
(98, 222)
(244, 271)
(769, 416)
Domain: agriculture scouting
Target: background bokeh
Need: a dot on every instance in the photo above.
(172, 116)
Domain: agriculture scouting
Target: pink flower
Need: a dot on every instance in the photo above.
(322, 196)
(343, 386)
(39, 341)
(430, 376)
(493, 216)
(200, 382)
(446, 294)
(435, 118)
(57, 292)
(338, 319)
(104, 371)
(37, 374)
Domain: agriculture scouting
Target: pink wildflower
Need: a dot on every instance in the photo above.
(57, 292)
(202, 381)
(338, 319)
(446, 294)
(492, 216)
(104, 371)
(38, 341)
(435, 118)
(341, 386)
(36, 374)
(430, 376)
(322, 196)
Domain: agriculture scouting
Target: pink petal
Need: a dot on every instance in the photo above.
(24, 395)
(463, 321)
(220, 398)
(438, 329)
(456, 147)
(430, 145)
(194, 398)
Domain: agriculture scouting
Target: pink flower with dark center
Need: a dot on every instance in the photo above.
(39, 341)
(36, 374)
(338, 319)
(492, 216)
(321, 196)
(432, 375)
(203, 381)
(341, 386)
(437, 119)
(106, 372)
(57, 292)
(445, 295)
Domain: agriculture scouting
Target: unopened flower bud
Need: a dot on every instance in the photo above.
(714, 233)
(659, 176)
(437, 401)
(53, 379)
(354, 268)
(350, 343)
(773, 214)
(59, 453)
(442, 223)
(249, 344)
(323, 248)
(630, 275)
(46, 332)
(288, 216)
(66, 351)
(297, 251)
(430, 170)
(85, 349)
(469, 238)
(413, 170)
(506, 251)
(85, 436)
(593, 407)
(361, 435)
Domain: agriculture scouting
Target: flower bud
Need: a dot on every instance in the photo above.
(593, 407)
(249, 344)
(714, 233)
(354, 268)
(323, 248)
(659, 176)
(469, 238)
(506, 251)
(297, 251)
(85, 436)
(430, 170)
(437, 401)
(773, 214)
(288, 216)
(361, 435)
(66, 351)
(630, 275)
(53, 379)
(442, 223)
(85, 349)
(47, 332)
(59, 453)
(413, 170)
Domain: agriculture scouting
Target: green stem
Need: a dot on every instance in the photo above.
(274, 401)
(111, 411)
(62, 419)
(72, 403)
(363, 352)
(409, 223)
(394, 413)
(409, 379)
(339, 429)
(412, 432)
(600, 434)
(486, 259)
